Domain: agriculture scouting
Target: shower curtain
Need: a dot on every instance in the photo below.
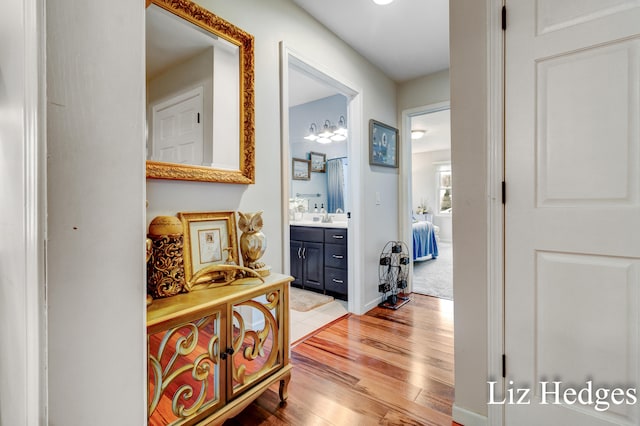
(335, 185)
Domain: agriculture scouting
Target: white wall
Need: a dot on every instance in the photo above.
(468, 44)
(271, 22)
(95, 182)
(424, 169)
(22, 364)
(425, 90)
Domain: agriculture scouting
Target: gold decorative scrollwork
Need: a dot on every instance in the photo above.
(254, 342)
(165, 271)
(181, 372)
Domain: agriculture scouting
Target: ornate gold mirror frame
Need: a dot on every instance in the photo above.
(206, 20)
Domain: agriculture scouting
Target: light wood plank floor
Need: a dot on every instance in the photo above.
(385, 367)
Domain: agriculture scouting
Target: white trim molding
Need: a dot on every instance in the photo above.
(495, 214)
(291, 57)
(406, 170)
(467, 418)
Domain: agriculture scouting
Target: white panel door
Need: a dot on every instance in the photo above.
(177, 133)
(572, 218)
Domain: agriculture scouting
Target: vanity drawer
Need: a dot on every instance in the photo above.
(335, 256)
(335, 280)
(335, 236)
(306, 233)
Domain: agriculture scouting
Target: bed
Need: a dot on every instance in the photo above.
(425, 245)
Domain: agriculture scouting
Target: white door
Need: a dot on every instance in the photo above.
(177, 130)
(572, 249)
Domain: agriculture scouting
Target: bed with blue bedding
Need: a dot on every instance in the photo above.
(425, 245)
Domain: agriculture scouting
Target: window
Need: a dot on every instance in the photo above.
(445, 195)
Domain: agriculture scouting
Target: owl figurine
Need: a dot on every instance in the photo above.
(253, 243)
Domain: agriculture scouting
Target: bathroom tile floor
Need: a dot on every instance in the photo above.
(304, 324)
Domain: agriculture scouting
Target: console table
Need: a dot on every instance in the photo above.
(212, 352)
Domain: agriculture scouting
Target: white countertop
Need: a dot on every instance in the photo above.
(337, 220)
(319, 224)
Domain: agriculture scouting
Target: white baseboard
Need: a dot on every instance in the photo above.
(375, 302)
(468, 418)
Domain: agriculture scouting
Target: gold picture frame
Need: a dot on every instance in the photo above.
(209, 239)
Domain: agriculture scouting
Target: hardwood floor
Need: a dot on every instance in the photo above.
(382, 368)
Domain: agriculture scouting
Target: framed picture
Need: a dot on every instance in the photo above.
(318, 162)
(383, 144)
(301, 169)
(209, 239)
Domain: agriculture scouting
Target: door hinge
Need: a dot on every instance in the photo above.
(504, 192)
(198, 118)
(504, 18)
(504, 365)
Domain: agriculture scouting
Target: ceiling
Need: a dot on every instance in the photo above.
(405, 39)
(438, 128)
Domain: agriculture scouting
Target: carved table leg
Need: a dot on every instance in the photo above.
(284, 385)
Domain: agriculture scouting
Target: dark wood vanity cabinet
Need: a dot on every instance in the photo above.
(335, 262)
(319, 259)
(307, 259)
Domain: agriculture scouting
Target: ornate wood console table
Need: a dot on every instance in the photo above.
(212, 352)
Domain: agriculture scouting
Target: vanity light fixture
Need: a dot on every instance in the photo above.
(329, 132)
(326, 134)
(312, 133)
(382, 2)
(340, 134)
(417, 134)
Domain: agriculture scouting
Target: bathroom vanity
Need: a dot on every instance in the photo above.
(319, 257)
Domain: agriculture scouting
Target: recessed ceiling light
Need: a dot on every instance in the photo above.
(382, 1)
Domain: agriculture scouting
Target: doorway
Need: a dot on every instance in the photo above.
(431, 203)
(426, 198)
(313, 100)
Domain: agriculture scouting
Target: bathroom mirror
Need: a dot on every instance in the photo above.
(200, 95)
(312, 104)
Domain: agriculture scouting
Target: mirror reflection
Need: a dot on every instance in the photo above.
(183, 64)
(315, 110)
(199, 74)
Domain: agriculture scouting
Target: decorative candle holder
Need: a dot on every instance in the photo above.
(165, 270)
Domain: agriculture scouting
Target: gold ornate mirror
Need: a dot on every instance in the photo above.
(200, 95)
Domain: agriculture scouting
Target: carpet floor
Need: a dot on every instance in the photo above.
(434, 277)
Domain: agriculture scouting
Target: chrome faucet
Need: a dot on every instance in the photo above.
(325, 216)
(339, 210)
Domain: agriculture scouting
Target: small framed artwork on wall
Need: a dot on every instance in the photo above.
(383, 144)
(300, 169)
(318, 162)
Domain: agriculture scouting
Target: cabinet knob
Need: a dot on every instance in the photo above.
(337, 281)
(338, 237)
(228, 351)
(337, 256)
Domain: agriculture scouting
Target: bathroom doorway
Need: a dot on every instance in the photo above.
(321, 177)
